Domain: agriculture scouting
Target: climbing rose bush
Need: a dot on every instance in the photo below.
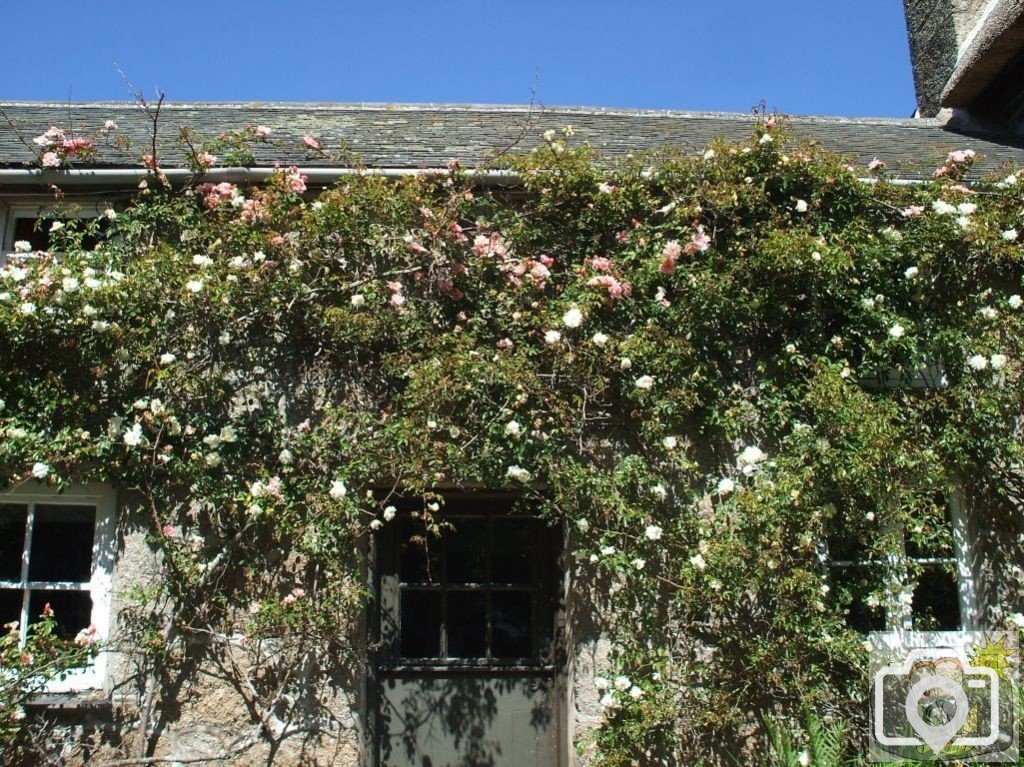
(700, 367)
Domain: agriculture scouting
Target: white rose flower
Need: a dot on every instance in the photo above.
(582, 525)
(653, 533)
(69, 284)
(943, 208)
(518, 474)
(670, 442)
(100, 326)
(998, 361)
(286, 457)
(28, 308)
(725, 486)
(644, 383)
(599, 339)
(1015, 301)
(552, 337)
(625, 363)
(966, 208)
(622, 683)
(801, 206)
(1010, 235)
(167, 358)
(697, 560)
(357, 301)
(40, 470)
(133, 437)
(201, 260)
(376, 524)
(639, 563)
(911, 272)
(338, 490)
(659, 492)
(896, 331)
(607, 551)
(988, 313)
(22, 246)
(602, 683)
(389, 513)
(194, 286)
(977, 362)
(572, 318)
(513, 429)
(751, 456)
(213, 460)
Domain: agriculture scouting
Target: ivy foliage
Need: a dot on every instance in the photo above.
(702, 366)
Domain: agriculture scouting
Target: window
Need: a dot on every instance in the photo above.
(926, 586)
(57, 549)
(31, 223)
(480, 589)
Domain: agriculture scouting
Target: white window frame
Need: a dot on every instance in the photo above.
(899, 615)
(103, 497)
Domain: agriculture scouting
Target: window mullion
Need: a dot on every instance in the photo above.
(25, 554)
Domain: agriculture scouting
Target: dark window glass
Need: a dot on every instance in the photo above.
(37, 232)
(10, 606)
(38, 236)
(467, 624)
(62, 538)
(511, 624)
(72, 609)
(421, 618)
(936, 603)
(419, 554)
(511, 560)
(850, 587)
(12, 540)
(466, 547)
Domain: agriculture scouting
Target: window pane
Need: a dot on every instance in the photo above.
(467, 624)
(62, 543)
(12, 540)
(936, 603)
(510, 562)
(466, 547)
(10, 605)
(851, 587)
(419, 554)
(38, 237)
(420, 627)
(72, 609)
(932, 536)
(511, 624)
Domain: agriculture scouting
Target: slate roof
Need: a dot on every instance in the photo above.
(429, 135)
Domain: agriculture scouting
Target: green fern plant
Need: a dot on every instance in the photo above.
(826, 745)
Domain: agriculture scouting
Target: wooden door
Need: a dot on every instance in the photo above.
(468, 671)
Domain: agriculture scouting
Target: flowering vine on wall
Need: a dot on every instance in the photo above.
(677, 358)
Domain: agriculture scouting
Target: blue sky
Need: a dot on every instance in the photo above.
(841, 57)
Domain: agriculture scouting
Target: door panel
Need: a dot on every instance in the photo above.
(455, 720)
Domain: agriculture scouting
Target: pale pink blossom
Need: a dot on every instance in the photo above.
(295, 180)
(961, 155)
(312, 143)
(912, 211)
(205, 159)
(51, 160)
